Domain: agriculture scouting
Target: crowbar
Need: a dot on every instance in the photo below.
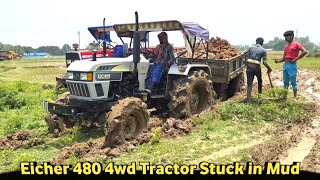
(271, 83)
(270, 80)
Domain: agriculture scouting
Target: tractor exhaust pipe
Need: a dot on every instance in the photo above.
(136, 44)
(104, 45)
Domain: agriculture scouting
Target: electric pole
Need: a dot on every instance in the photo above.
(79, 39)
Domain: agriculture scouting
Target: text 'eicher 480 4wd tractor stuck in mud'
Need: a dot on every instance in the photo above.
(112, 91)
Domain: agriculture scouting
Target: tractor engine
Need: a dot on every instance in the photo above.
(125, 88)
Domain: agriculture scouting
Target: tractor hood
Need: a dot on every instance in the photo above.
(105, 64)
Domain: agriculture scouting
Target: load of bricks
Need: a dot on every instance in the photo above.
(218, 49)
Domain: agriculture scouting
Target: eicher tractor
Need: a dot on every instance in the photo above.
(112, 91)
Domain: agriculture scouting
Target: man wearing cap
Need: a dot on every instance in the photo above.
(164, 59)
(290, 57)
(255, 54)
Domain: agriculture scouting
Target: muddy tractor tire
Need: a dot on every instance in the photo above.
(57, 122)
(127, 119)
(191, 95)
(235, 85)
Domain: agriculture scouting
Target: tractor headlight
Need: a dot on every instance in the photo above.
(69, 75)
(86, 76)
(76, 76)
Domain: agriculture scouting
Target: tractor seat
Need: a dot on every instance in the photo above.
(118, 51)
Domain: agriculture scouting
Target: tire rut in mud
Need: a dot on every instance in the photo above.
(287, 137)
(312, 161)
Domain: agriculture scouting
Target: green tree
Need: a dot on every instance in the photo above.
(278, 44)
(52, 50)
(28, 49)
(65, 48)
(305, 41)
(241, 47)
(42, 49)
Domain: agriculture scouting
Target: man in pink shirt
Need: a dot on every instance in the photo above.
(290, 57)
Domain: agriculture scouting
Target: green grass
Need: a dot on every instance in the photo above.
(266, 108)
(21, 106)
(10, 160)
(41, 71)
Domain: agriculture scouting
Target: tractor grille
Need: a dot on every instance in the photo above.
(78, 89)
(72, 56)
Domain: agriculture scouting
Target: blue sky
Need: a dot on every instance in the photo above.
(56, 22)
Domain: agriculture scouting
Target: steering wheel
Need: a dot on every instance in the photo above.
(148, 54)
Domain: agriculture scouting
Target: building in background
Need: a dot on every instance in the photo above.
(41, 54)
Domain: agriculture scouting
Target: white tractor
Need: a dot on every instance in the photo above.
(112, 91)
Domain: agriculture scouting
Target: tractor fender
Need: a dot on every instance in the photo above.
(174, 69)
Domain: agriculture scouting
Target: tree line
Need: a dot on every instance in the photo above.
(278, 44)
(52, 50)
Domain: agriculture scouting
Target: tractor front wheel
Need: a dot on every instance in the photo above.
(59, 122)
(127, 119)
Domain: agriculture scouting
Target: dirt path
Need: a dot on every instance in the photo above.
(229, 151)
(312, 161)
(299, 152)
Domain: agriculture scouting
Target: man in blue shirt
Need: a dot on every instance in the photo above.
(255, 54)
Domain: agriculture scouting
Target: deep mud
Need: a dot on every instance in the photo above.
(155, 122)
(19, 140)
(91, 149)
(171, 128)
(174, 127)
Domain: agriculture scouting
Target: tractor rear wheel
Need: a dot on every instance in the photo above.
(235, 85)
(58, 122)
(127, 119)
(191, 95)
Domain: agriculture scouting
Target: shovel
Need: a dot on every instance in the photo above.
(270, 83)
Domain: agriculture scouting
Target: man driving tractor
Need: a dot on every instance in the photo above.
(161, 62)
